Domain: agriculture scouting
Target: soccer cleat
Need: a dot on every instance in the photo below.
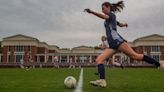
(100, 83)
(162, 65)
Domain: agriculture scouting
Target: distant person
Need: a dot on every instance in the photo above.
(31, 61)
(55, 63)
(21, 63)
(71, 64)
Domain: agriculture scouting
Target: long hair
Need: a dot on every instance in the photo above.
(115, 7)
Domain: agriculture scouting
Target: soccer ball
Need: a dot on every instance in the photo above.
(70, 82)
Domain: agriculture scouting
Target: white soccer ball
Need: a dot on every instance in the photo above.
(70, 82)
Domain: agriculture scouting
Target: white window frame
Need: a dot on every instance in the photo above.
(156, 55)
(8, 55)
(157, 47)
(15, 57)
(19, 48)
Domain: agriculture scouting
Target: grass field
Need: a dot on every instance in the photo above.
(51, 80)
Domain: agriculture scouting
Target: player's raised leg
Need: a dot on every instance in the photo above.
(125, 48)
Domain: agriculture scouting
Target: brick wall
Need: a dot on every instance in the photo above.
(41, 50)
(4, 52)
(26, 54)
(52, 51)
(11, 54)
(33, 52)
(162, 54)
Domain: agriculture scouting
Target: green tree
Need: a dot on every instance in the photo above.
(97, 47)
(0, 47)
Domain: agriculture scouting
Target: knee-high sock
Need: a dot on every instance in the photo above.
(151, 60)
(101, 71)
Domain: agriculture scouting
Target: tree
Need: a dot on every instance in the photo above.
(0, 47)
(97, 47)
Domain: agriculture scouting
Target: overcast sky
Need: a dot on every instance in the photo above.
(63, 22)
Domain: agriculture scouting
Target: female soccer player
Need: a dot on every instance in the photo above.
(115, 41)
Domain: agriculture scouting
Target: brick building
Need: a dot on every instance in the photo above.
(20, 47)
(17, 47)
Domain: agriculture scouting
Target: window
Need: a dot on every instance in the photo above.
(19, 48)
(9, 48)
(146, 48)
(29, 48)
(156, 57)
(82, 59)
(8, 58)
(155, 48)
(18, 58)
(63, 59)
(16, 48)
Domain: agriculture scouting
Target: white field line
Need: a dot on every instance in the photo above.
(79, 87)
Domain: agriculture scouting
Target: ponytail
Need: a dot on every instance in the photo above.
(115, 7)
(118, 6)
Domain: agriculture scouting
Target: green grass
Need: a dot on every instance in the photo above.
(128, 80)
(51, 80)
(35, 80)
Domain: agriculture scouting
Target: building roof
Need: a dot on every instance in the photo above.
(150, 37)
(53, 47)
(19, 35)
(82, 48)
(43, 44)
(65, 50)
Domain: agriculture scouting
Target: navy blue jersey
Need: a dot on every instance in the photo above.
(111, 23)
(114, 39)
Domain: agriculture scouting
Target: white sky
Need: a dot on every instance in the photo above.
(63, 22)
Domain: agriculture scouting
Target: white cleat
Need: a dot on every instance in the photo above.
(100, 83)
(162, 65)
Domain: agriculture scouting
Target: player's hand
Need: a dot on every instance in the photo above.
(88, 10)
(126, 25)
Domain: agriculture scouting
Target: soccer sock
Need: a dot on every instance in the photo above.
(101, 71)
(150, 60)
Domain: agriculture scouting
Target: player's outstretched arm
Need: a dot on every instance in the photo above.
(102, 16)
